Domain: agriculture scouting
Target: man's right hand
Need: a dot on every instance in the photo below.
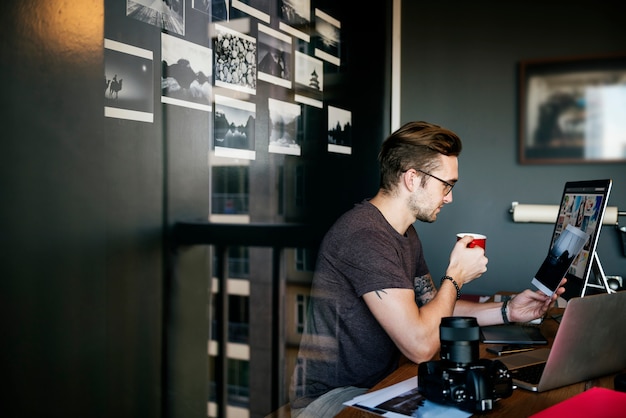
(466, 264)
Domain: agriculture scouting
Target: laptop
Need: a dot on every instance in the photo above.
(572, 251)
(590, 342)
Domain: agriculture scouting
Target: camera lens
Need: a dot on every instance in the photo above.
(459, 337)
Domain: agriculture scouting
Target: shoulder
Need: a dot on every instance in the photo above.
(362, 215)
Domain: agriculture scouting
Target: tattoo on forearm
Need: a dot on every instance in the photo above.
(378, 294)
(425, 289)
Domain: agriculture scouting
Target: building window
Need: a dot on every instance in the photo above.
(238, 262)
(211, 372)
(238, 319)
(305, 259)
(302, 303)
(299, 372)
(238, 383)
(230, 190)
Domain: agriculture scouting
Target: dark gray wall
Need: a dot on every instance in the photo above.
(459, 69)
(81, 226)
(97, 320)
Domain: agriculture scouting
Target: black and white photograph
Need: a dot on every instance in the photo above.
(295, 18)
(275, 57)
(216, 9)
(259, 9)
(327, 37)
(339, 130)
(309, 80)
(128, 82)
(186, 73)
(285, 120)
(165, 14)
(235, 60)
(414, 404)
(234, 128)
(559, 259)
(406, 404)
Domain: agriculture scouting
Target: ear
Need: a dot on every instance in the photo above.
(410, 180)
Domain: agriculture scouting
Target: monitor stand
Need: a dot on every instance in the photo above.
(601, 282)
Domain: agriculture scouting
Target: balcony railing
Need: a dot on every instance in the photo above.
(222, 236)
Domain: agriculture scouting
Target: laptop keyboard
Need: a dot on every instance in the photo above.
(531, 373)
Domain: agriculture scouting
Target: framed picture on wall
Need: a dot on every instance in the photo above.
(573, 110)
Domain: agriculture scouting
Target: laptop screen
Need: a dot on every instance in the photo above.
(575, 237)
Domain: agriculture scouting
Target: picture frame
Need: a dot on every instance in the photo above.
(572, 110)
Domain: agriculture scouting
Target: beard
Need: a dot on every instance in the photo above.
(421, 213)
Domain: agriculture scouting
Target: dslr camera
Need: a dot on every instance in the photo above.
(461, 378)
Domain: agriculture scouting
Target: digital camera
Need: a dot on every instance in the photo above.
(461, 378)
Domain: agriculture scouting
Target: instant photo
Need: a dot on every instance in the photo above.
(128, 82)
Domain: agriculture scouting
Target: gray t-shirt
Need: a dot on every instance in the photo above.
(343, 344)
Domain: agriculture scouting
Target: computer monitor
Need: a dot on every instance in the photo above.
(572, 251)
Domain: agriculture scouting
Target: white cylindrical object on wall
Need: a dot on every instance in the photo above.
(535, 213)
(610, 216)
(548, 214)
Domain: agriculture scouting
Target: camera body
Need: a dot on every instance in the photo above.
(461, 378)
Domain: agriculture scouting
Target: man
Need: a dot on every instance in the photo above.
(373, 299)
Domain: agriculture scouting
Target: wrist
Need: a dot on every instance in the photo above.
(504, 310)
(456, 285)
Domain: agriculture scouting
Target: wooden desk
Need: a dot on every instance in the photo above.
(521, 403)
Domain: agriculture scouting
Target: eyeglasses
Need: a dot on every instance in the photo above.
(448, 187)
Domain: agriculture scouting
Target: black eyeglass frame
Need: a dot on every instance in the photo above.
(449, 186)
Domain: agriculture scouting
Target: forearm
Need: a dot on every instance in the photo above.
(524, 307)
(488, 313)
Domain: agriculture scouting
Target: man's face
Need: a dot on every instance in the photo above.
(426, 202)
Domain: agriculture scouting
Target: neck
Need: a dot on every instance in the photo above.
(394, 210)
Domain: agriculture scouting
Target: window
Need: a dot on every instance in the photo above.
(238, 262)
(238, 319)
(238, 383)
(305, 259)
(302, 303)
(230, 190)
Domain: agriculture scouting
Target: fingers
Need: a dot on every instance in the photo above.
(464, 242)
(467, 239)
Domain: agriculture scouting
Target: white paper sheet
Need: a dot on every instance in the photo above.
(373, 401)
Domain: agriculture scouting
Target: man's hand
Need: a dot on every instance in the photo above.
(530, 305)
(466, 264)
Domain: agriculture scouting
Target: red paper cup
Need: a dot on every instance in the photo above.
(480, 240)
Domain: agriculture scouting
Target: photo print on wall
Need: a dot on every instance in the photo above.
(295, 18)
(309, 80)
(234, 128)
(216, 9)
(235, 60)
(285, 120)
(166, 14)
(339, 130)
(128, 82)
(275, 57)
(327, 37)
(255, 8)
(186, 73)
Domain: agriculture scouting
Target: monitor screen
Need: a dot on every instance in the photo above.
(575, 237)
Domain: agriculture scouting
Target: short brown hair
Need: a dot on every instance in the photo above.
(415, 145)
